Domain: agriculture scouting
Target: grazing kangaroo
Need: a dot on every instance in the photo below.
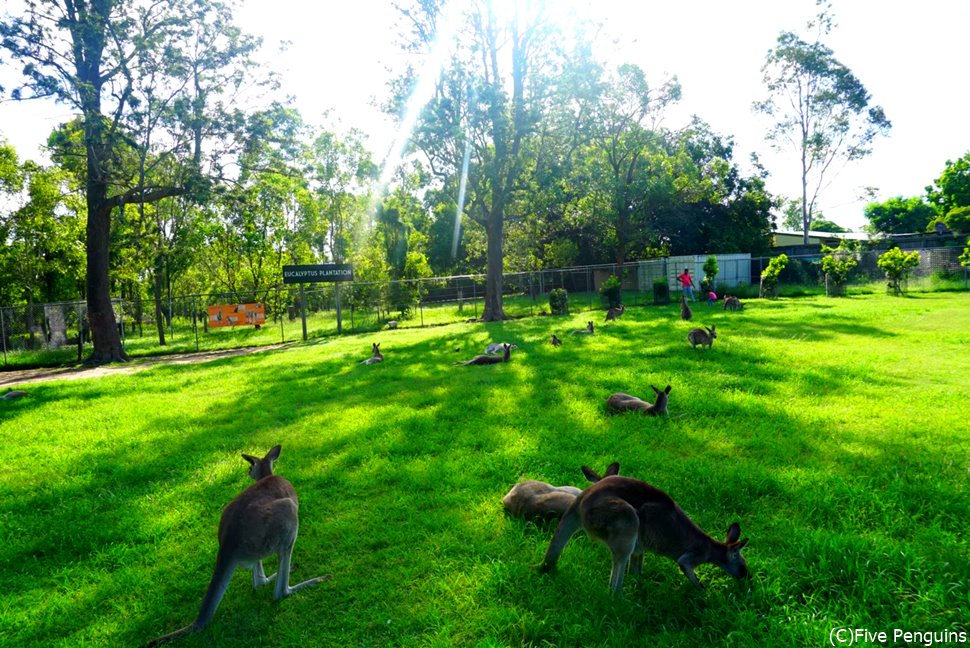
(498, 347)
(732, 303)
(685, 312)
(261, 521)
(702, 337)
(556, 341)
(489, 359)
(614, 313)
(586, 331)
(630, 516)
(620, 402)
(539, 501)
(377, 357)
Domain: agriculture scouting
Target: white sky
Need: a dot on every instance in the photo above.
(911, 56)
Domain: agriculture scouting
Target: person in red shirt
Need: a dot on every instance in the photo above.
(687, 282)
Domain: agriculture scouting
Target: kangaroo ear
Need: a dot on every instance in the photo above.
(655, 389)
(733, 533)
(274, 453)
(251, 459)
(613, 469)
(741, 545)
(591, 475)
(667, 390)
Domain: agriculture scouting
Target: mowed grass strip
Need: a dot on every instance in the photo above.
(834, 430)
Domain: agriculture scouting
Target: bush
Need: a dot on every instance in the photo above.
(837, 265)
(611, 290)
(710, 273)
(897, 265)
(558, 301)
(769, 276)
(661, 292)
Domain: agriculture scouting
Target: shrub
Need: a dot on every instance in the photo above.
(769, 276)
(558, 301)
(661, 292)
(611, 290)
(837, 264)
(710, 273)
(897, 265)
(965, 257)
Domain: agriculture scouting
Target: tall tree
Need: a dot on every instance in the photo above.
(495, 90)
(819, 108)
(92, 55)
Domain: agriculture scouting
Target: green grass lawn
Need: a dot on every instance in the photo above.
(834, 430)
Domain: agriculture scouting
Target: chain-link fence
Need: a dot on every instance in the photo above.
(55, 334)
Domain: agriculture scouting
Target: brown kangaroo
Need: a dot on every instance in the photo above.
(377, 357)
(539, 501)
(263, 520)
(685, 312)
(620, 402)
(586, 331)
(489, 359)
(630, 516)
(614, 313)
(556, 341)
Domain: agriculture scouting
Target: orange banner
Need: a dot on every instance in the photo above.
(236, 315)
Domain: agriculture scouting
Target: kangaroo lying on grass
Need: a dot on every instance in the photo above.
(539, 501)
(263, 520)
(586, 331)
(702, 337)
(14, 394)
(377, 357)
(614, 313)
(630, 516)
(620, 402)
(489, 359)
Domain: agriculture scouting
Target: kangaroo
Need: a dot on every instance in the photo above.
(13, 394)
(624, 402)
(732, 303)
(630, 516)
(498, 347)
(614, 313)
(685, 312)
(556, 341)
(702, 337)
(586, 331)
(260, 522)
(489, 359)
(539, 501)
(377, 357)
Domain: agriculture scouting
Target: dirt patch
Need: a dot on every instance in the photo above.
(27, 376)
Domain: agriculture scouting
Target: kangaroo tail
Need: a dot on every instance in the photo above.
(568, 525)
(210, 602)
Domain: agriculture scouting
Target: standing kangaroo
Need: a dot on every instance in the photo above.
(556, 341)
(377, 357)
(489, 359)
(702, 337)
(263, 520)
(685, 312)
(630, 516)
(624, 402)
(614, 313)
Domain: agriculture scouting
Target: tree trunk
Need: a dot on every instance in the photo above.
(493, 310)
(104, 329)
(159, 315)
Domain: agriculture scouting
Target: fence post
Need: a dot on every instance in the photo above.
(80, 334)
(303, 310)
(195, 324)
(3, 336)
(279, 302)
(336, 297)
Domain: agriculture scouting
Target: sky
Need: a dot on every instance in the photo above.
(911, 57)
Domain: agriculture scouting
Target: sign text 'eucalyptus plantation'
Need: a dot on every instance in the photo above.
(294, 274)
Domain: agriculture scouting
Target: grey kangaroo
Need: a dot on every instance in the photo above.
(536, 500)
(377, 355)
(685, 312)
(615, 312)
(586, 331)
(620, 402)
(489, 359)
(630, 516)
(702, 337)
(261, 521)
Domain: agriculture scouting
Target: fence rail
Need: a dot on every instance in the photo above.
(56, 333)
